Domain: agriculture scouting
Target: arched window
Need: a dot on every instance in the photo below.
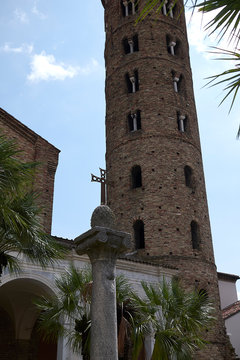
(134, 121)
(138, 227)
(172, 45)
(203, 293)
(132, 82)
(195, 233)
(135, 43)
(177, 82)
(130, 45)
(126, 46)
(188, 176)
(136, 174)
(182, 122)
(168, 8)
(129, 7)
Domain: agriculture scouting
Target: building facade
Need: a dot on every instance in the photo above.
(153, 157)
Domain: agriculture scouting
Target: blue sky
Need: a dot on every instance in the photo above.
(52, 80)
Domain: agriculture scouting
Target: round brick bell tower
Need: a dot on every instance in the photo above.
(154, 165)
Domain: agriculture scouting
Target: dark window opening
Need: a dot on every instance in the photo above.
(126, 46)
(203, 293)
(195, 235)
(129, 84)
(132, 82)
(177, 48)
(139, 234)
(180, 83)
(130, 45)
(188, 176)
(171, 8)
(134, 121)
(172, 45)
(177, 82)
(136, 173)
(135, 43)
(129, 7)
(136, 80)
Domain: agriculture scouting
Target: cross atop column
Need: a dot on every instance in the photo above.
(102, 179)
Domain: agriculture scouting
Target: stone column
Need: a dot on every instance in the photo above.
(103, 244)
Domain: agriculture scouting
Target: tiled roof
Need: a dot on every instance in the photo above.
(231, 310)
(228, 277)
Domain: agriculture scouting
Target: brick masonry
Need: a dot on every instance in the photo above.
(35, 148)
(164, 203)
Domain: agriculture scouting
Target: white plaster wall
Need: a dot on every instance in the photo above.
(228, 293)
(135, 272)
(233, 330)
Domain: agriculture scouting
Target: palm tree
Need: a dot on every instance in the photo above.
(224, 24)
(20, 228)
(175, 317)
(69, 314)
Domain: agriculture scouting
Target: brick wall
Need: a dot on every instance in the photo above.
(35, 148)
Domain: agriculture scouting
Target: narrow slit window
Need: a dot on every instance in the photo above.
(126, 46)
(139, 234)
(188, 176)
(129, 83)
(195, 234)
(136, 174)
(135, 43)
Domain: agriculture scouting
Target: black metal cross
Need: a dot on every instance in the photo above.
(103, 182)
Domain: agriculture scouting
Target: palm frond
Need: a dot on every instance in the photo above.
(226, 20)
(230, 78)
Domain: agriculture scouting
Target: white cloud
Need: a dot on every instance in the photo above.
(199, 38)
(37, 12)
(24, 48)
(21, 16)
(45, 67)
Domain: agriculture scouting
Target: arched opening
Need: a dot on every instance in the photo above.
(195, 234)
(132, 82)
(129, 7)
(136, 175)
(182, 122)
(7, 336)
(203, 293)
(17, 299)
(188, 176)
(135, 43)
(126, 46)
(128, 83)
(134, 121)
(138, 227)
